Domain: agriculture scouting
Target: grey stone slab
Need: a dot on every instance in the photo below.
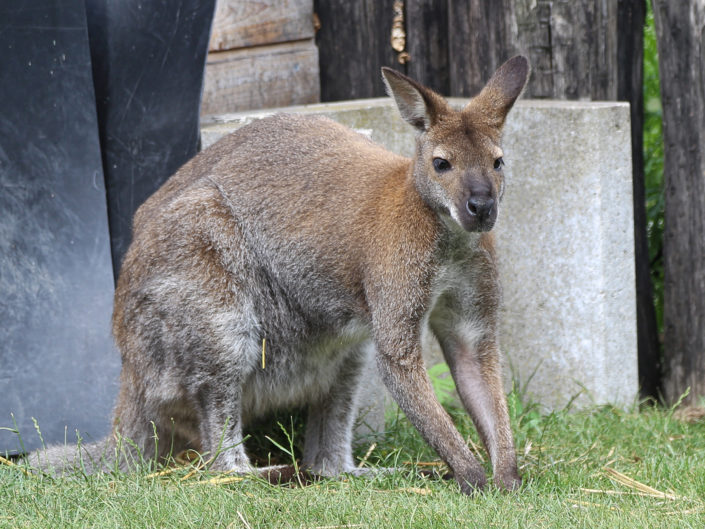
(565, 241)
(567, 248)
(57, 361)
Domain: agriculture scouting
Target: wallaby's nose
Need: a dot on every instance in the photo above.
(480, 207)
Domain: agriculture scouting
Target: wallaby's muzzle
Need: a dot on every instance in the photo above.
(476, 207)
(477, 213)
(481, 208)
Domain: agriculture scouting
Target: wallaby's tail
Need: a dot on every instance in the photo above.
(84, 458)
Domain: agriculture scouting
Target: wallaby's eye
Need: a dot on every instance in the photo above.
(439, 164)
(498, 163)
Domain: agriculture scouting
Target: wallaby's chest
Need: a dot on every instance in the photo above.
(304, 367)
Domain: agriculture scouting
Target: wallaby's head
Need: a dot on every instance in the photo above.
(458, 166)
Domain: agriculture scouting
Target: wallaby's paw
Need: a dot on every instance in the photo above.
(233, 462)
(509, 481)
(471, 482)
(287, 475)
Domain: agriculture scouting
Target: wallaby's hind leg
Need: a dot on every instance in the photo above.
(149, 425)
(220, 411)
(327, 448)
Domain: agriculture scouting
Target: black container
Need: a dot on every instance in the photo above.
(57, 360)
(70, 128)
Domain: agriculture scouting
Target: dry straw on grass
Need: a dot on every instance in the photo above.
(637, 485)
(638, 489)
(9, 463)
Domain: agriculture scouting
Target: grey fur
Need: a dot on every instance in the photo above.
(301, 232)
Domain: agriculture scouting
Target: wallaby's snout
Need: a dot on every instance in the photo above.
(477, 202)
(475, 208)
(482, 209)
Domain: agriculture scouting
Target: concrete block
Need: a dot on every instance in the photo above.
(565, 241)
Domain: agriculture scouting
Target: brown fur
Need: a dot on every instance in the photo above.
(300, 231)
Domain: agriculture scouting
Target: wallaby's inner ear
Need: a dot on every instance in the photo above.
(502, 90)
(417, 104)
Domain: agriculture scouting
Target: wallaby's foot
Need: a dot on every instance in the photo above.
(233, 462)
(471, 482)
(287, 475)
(509, 481)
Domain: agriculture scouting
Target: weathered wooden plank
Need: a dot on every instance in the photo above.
(533, 38)
(572, 47)
(679, 29)
(243, 23)
(630, 53)
(427, 43)
(354, 43)
(604, 33)
(261, 77)
(585, 48)
(479, 34)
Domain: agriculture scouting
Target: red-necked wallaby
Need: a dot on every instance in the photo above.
(302, 232)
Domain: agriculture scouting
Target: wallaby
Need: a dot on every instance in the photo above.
(301, 232)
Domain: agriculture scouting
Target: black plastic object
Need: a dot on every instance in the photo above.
(148, 63)
(57, 361)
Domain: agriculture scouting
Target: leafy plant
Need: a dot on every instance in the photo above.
(653, 162)
(443, 385)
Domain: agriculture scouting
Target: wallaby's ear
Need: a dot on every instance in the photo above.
(501, 91)
(418, 105)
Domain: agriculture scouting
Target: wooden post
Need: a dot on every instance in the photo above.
(679, 27)
(572, 46)
(427, 43)
(353, 45)
(630, 78)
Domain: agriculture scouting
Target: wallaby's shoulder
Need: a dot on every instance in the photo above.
(329, 176)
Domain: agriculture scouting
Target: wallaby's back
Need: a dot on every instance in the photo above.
(298, 159)
(305, 196)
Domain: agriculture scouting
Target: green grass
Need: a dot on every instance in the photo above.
(560, 455)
